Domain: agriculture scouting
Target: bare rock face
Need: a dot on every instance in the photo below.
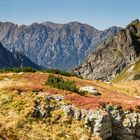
(53, 45)
(112, 56)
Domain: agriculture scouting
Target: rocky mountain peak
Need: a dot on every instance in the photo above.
(52, 25)
(113, 55)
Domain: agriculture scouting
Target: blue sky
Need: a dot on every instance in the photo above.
(101, 14)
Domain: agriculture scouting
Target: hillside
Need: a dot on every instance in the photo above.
(131, 72)
(114, 55)
(51, 45)
(30, 109)
(14, 59)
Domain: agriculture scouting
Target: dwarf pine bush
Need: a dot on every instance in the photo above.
(60, 72)
(18, 69)
(137, 77)
(60, 83)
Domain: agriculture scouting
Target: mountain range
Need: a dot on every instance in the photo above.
(50, 45)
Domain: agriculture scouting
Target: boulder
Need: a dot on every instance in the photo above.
(89, 89)
(99, 122)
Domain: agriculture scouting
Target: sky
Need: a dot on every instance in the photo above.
(101, 14)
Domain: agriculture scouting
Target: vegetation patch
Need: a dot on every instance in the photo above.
(64, 73)
(17, 70)
(124, 75)
(137, 77)
(17, 120)
(60, 83)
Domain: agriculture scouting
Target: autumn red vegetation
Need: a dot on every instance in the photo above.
(109, 95)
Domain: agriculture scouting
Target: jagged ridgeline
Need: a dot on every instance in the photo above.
(113, 55)
(51, 45)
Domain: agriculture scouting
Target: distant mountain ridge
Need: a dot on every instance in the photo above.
(51, 45)
(113, 55)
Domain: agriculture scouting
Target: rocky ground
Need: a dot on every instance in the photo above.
(32, 110)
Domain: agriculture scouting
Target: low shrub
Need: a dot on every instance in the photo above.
(60, 83)
(64, 73)
(136, 77)
(18, 69)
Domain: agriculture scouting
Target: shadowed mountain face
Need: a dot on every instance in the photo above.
(52, 45)
(15, 59)
(112, 56)
(6, 58)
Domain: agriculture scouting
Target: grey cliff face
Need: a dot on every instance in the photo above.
(15, 59)
(113, 55)
(53, 45)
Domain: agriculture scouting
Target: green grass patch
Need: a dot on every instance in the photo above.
(137, 67)
(123, 75)
(137, 77)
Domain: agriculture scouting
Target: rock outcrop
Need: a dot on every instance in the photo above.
(53, 45)
(89, 89)
(108, 122)
(113, 55)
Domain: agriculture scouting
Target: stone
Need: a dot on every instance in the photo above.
(137, 97)
(77, 114)
(83, 113)
(55, 97)
(89, 89)
(99, 122)
(127, 122)
(68, 110)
